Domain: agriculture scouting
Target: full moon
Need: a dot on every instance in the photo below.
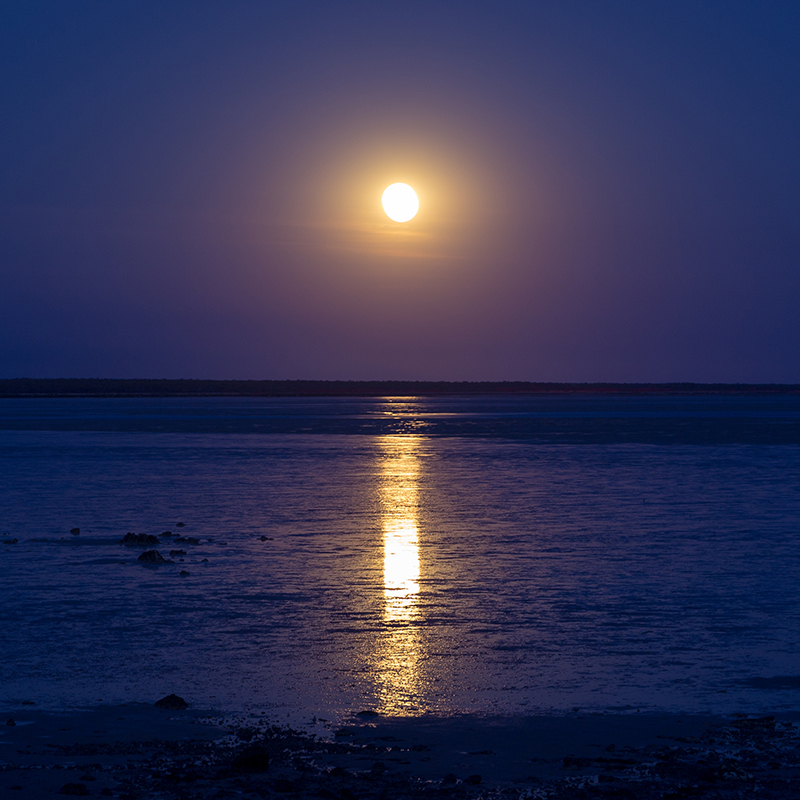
(400, 202)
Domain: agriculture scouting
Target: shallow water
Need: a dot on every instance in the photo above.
(430, 556)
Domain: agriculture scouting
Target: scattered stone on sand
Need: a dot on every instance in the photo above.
(139, 540)
(174, 553)
(10, 722)
(172, 702)
(185, 572)
(152, 557)
(254, 758)
(75, 531)
(733, 759)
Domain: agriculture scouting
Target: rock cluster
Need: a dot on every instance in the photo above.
(153, 557)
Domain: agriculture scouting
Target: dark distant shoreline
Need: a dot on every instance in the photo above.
(133, 387)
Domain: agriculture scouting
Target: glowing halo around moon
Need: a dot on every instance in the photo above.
(400, 202)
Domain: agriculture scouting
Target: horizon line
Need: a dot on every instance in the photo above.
(203, 387)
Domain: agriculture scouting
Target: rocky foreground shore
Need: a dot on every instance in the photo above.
(196, 757)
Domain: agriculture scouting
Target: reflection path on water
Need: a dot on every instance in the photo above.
(408, 574)
(400, 649)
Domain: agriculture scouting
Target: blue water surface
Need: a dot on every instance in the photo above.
(411, 556)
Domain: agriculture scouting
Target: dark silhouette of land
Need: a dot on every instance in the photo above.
(133, 387)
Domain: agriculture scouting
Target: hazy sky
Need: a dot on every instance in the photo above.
(608, 190)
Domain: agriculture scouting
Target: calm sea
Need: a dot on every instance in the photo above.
(410, 556)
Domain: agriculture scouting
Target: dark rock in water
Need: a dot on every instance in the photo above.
(205, 560)
(152, 557)
(28, 703)
(75, 789)
(139, 540)
(187, 540)
(10, 721)
(177, 552)
(473, 780)
(368, 712)
(185, 572)
(179, 525)
(449, 778)
(172, 702)
(167, 534)
(75, 531)
(378, 768)
(254, 758)
(10, 541)
(266, 539)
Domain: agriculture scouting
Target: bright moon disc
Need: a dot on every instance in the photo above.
(400, 202)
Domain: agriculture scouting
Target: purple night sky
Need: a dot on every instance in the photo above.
(608, 191)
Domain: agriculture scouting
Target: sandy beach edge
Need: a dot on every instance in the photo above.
(140, 751)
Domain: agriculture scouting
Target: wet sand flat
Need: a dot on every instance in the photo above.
(138, 751)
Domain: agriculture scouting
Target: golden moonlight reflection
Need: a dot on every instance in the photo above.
(398, 661)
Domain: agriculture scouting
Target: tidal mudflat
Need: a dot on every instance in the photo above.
(140, 751)
(393, 597)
